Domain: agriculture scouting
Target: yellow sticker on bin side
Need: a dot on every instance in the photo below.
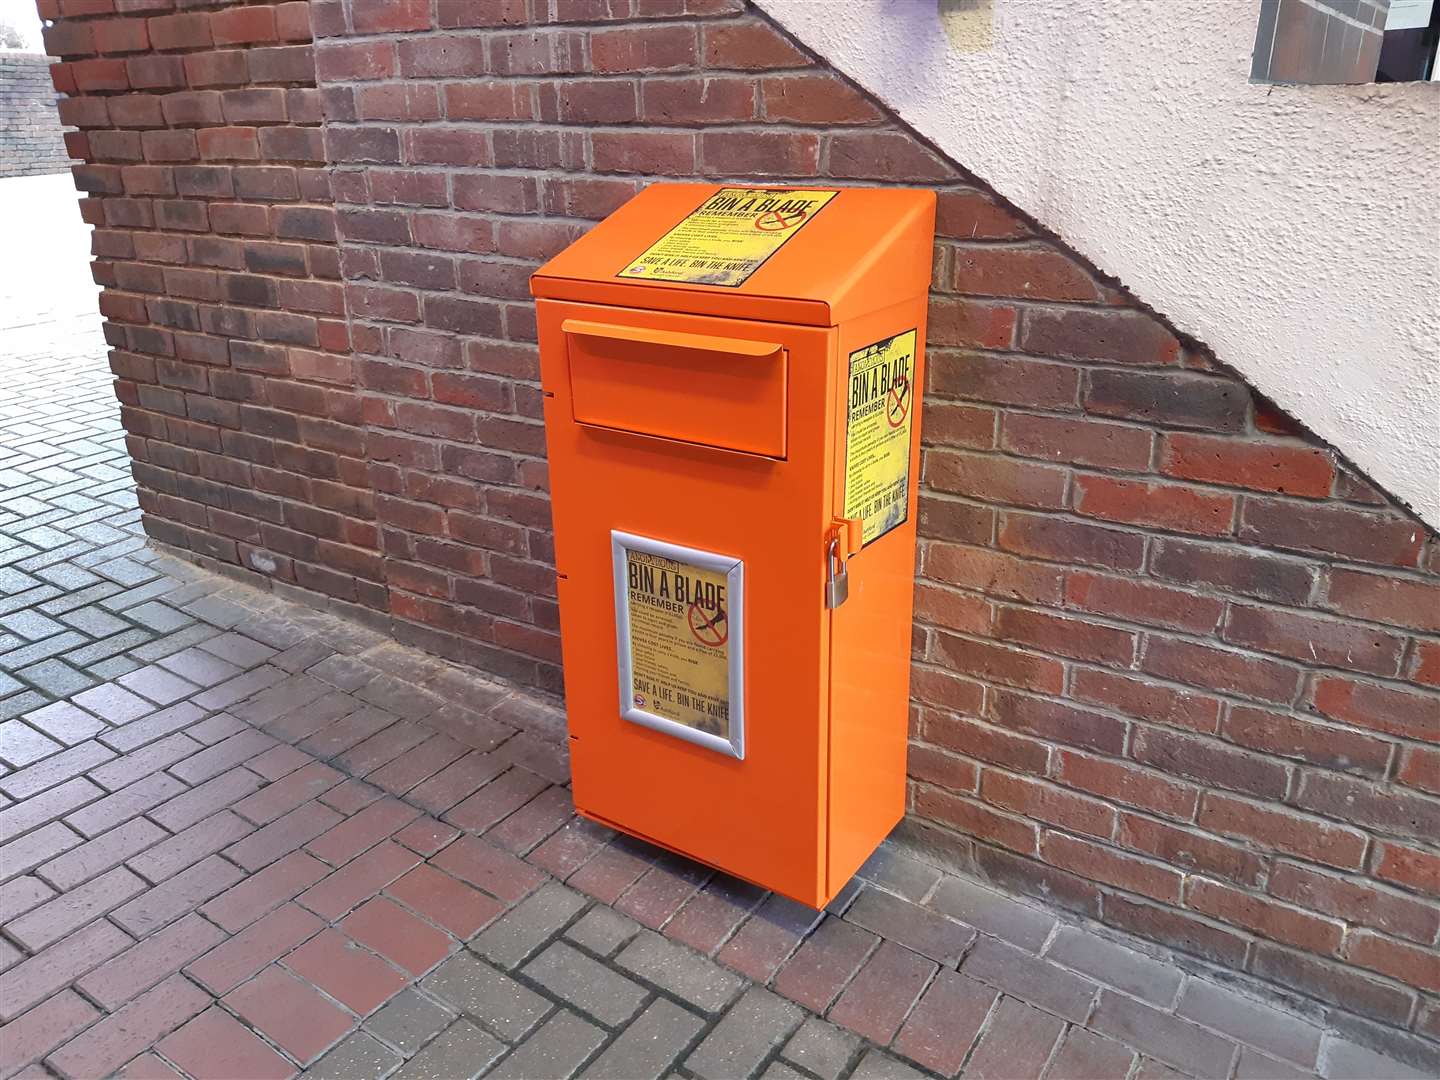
(879, 419)
(679, 617)
(729, 236)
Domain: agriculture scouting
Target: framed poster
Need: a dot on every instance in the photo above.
(878, 422)
(679, 629)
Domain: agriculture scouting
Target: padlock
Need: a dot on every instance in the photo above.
(837, 582)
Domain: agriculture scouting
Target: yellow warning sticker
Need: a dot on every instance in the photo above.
(727, 238)
(877, 434)
(679, 616)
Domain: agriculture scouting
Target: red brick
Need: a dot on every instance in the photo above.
(37, 1032)
(1386, 807)
(1098, 862)
(444, 900)
(653, 48)
(757, 153)
(749, 45)
(975, 819)
(1425, 664)
(981, 324)
(344, 61)
(1178, 929)
(1164, 506)
(1316, 744)
(485, 866)
(1005, 380)
(189, 30)
(1383, 598)
(1175, 398)
(1283, 467)
(951, 609)
(1356, 900)
(1192, 850)
(1084, 442)
(985, 742)
(367, 827)
(98, 75)
(358, 979)
(1027, 273)
(1279, 829)
(813, 99)
(882, 993)
(496, 800)
(995, 663)
(71, 910)
(1056, 721)
(1379, 708)
(359, 880)
(1143, 602)
(1221, 669)
(121, 35)
(1336, 530)
(1044, 536)
(1420, 769)
(1125, 783)
(1400, 960)
(993, 573)
(390, 16)
(259, 893)
(1410, 868)
(36, 978)
(1075, 638)
(1211, 762)
(1313, 640)
(291, 1014)
(1039, 801)
(215, 1044)
(120, 1036)
(884, 155)
(397, 935)
(243, 25)
(824, 964)
(1268, 577)
(243, 955)
(944, 1025)
(974, 215)
(950, 424)
(995, 479)
(1279, 922)
(139, 968)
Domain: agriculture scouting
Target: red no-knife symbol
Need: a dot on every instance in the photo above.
(774, 221)
(712, 630)
(897, 403)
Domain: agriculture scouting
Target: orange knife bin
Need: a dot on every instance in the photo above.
(732, 378)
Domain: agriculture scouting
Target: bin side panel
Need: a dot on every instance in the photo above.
(870, 640)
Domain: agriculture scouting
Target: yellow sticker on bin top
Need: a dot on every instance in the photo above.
(729, 236)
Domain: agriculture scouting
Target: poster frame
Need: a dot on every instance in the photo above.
(734, 570)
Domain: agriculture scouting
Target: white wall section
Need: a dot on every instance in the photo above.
(1293, 229)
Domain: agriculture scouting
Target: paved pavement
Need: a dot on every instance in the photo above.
(240, 838)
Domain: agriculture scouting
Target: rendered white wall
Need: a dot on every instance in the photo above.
(1294, 230)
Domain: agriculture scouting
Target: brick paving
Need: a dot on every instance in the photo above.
(240, 837)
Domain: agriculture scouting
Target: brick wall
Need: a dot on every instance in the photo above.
(31, 140)
(215, 240)
(1175, 665)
